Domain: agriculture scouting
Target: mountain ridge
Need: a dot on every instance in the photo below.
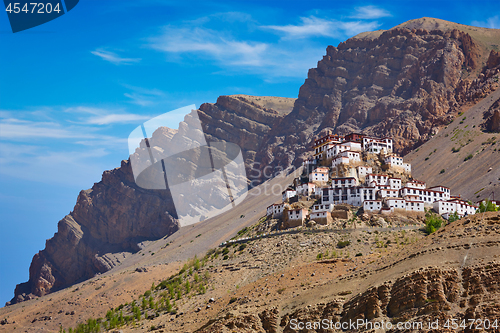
(405, 83)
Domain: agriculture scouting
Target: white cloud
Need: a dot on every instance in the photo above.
(355, 27)
(369, 13)
(203, 41)
(116, 119)
(313, 26)
(106, 117)
(12, 129)
(492, 23)
(47, 165)
(143, 96)
(114, 58)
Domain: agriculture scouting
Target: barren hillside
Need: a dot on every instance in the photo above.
(462, 155)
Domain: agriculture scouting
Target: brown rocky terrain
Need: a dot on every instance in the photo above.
(409, 82)
(405, 82)
(108, 223)
(112, 219)
(463, 155)
(399, 275)
(244, 120)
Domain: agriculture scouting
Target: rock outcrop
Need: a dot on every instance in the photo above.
(244, 120)
(115, 215)
(404, 83)
(110, 218)
(492, 118)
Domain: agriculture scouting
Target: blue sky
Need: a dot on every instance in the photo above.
(73, 89)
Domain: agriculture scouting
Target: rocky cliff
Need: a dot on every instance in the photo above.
(452, 274)
(110, 220)
(107, 222)
(244, 120)
(405, 83)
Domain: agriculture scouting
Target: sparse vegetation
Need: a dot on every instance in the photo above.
(432, 222)
(468, 157)
(342, 244)
(487, 206)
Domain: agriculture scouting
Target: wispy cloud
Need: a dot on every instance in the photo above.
(369, 13)
(491, 22)
(245, 46)
(101, 116)
(12, 129)
(310, 26)
(114, 58)
(209, 42)
(47, 165)
(314, 26)
(144, 97)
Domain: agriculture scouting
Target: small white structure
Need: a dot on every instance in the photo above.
(377, 179)
(451, 206)
(334, 150)
(407, 168)
(344, 182)
(339, 160)
(376, 145)
(394, 161)
(306, 189)
(275, 211)
(388, 193)
(414, 205)
(296, 217)
(352, 146)
(363, 171)
(346, 157)
(322, 207)
(443, 189)
(396, 203)
(372, 205)
(319, 175)
(394, 183)
(416, 184)
(288, 193)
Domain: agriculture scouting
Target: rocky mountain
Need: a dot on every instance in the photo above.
(111, 220)
(465, 154)
(108, 223)
(405, 82)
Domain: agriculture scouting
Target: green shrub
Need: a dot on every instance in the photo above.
(442, 171)
(432, 222)
(468, 157)
(487, 206)
(342, 244)
(453, 217)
